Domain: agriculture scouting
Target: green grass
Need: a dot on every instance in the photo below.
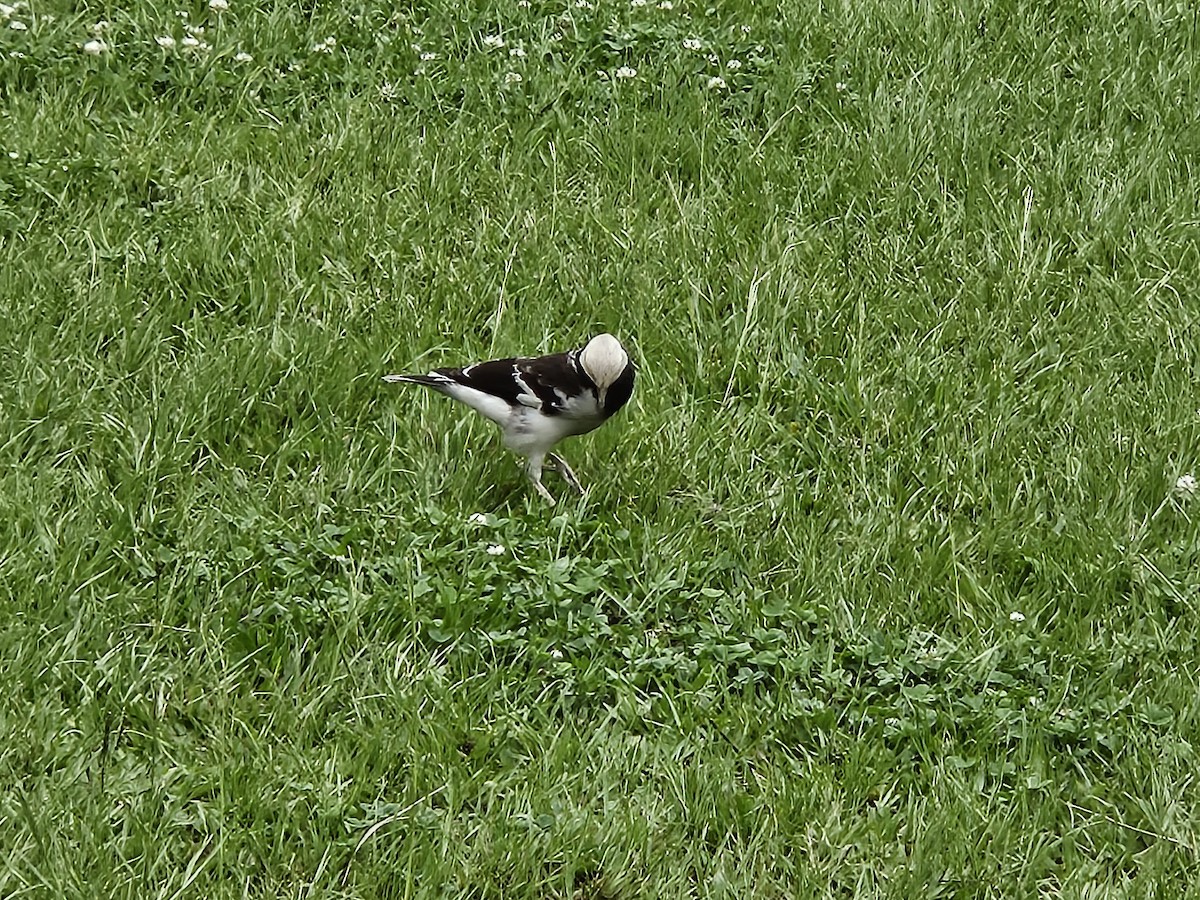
(913, 299)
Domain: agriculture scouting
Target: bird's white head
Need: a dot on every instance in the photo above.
(604, 359)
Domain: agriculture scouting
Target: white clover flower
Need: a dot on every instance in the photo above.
(18, 26)
(191, 42)
(243, 57)
(13, 154)
(841, 86)
(477, 519)
(387, 91)
(95, 48)
(6, 11)
(522, 4)
(1015, 616)
(625, 72)
(197, 30)
(493, 42)
(637, 4)
(495, 550)
(691, 43)
(716, 83)
(713, 59)
(667, 5)
(733, 65)
(512, 78)
(428, 56)
(219, 6)
(182, 13)
(556, 653)
(583, 4)
(745, 29)
(100, 27)
(1185, 485)
(518, 52)
(165, 41)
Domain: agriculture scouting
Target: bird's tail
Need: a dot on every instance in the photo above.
(433, 380)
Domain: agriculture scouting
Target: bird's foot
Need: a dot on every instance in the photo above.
(564, 470)
(541, 489)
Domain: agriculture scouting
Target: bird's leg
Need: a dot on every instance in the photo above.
(565, 471)
(534, 470)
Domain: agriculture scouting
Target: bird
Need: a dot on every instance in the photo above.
(537, 401)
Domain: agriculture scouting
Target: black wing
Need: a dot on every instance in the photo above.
(542, 382)
(556, 379)
(496, 377)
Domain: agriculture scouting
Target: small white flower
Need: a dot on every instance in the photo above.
(495, 550)
(493, 42)
(637, 4)
(518, 52)
(713, 59)
(667, 5)
(17, 26)
(165, 41)
(556, 653)
(583, 4)
(841, 86)
(733, 65)
(182, 13)
(477, 519)
(387, 91)
(191, 42)
(512, 78)
(197, 30)
(745, 29)
(243, 57)
(6, 10)
(691, 43)
(428, 56)
(625, 72)
(522, 4)
(1015, 616)
(13, 154)
(1185, 485)
(100, 27)
(218, 5)
(95, 48)
(716, 83)
(325, 46)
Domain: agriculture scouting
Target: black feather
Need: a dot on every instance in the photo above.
(620, 391)
(548, 378)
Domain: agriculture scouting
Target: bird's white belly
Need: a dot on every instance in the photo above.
(528, 431)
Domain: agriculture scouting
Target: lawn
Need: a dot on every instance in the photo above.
(887, 583)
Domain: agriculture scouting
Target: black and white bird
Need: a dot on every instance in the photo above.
(538, 401)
